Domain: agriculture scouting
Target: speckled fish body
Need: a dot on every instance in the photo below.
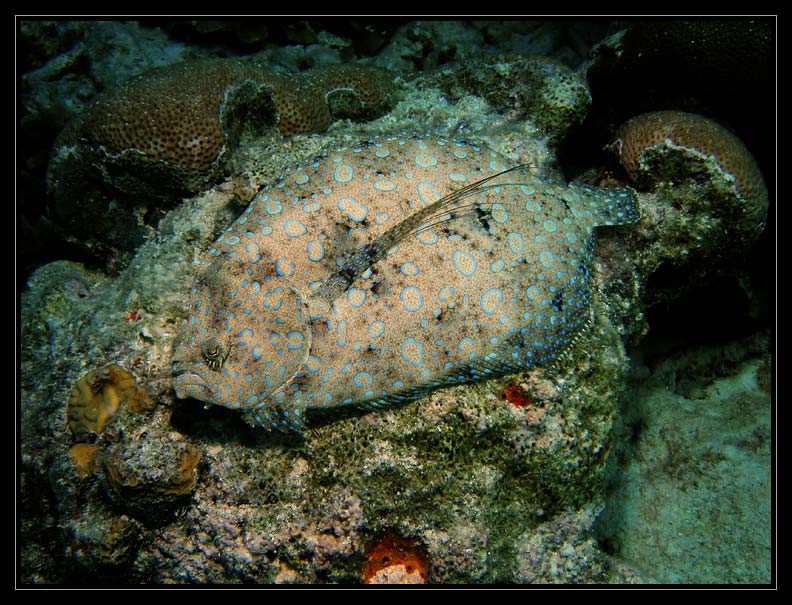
(378, 273)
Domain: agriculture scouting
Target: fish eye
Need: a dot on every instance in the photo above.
(212, 353)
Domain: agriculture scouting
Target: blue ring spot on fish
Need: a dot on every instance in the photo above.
(253, 250)
(385, 185)
(376, 328)
(294, 228)
(424, 160)
(353, 209)
(546, 258)
(284, 267)
(313, 364)
(412, 352)
(446, 293)
(343, 173)
(316, 250)
(427, 192)
(466, 344)
(570, 196)
(411, 298)
(356, 296)
(464, 262)
(274, 208)
(497, 166)
(409, 268)
(363, 379)
(515, 242)
(295, 340)
(499, 213)
(341, 333)
(428, 237)
(490, 300)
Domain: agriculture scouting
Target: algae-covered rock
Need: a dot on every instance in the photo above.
(545, 93)
(98, 540)
(150, 475)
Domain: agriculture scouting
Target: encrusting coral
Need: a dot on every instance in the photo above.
(84, 458)
(97, 396)
(395, 560)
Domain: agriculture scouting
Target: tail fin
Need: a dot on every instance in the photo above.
(607, 206)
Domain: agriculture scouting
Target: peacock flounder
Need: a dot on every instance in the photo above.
(378, 273)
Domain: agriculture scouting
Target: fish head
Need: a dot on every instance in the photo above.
(246, 336)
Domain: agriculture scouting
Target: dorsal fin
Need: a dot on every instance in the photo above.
(444, 210)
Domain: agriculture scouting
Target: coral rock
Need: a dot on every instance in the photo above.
(98, 539)
(698, 136)
(541, 91)
(354, 91)
(151, 469)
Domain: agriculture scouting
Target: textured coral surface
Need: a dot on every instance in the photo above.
(699, 134)
(170, 114)
(173, 113)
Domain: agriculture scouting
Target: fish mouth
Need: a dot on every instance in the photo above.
(189, 385)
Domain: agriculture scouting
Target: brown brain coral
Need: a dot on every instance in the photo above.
(173, 113)
(169, 113)
(699, 136)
